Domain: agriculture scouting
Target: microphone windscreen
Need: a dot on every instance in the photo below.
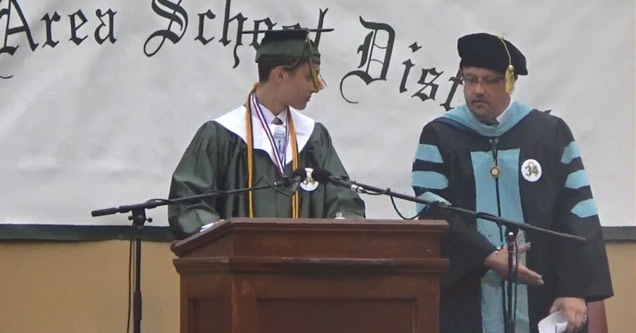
(299, 173)
(321, 175)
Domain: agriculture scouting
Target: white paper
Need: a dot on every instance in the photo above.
(557, 322)
(208, 226)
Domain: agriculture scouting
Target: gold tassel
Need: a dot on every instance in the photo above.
(318, 80)
(510, 79)
(510, 71)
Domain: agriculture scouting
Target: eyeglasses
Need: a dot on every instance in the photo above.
(487, 81)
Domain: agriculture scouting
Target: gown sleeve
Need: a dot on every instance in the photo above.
(195, 174)
(582, 268)
(464, 246)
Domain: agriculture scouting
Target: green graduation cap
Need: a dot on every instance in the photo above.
(292, 43)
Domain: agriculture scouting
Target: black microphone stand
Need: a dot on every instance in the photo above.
(512, 228)
(138, 216)
(511, 239)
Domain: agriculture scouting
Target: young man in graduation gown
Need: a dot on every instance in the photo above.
(499, 156)
(261, 141)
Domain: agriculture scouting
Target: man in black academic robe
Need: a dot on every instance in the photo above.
(499, 156)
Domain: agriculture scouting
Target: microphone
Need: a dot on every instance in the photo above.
(324, 176)
(292, 181)
(296, 178)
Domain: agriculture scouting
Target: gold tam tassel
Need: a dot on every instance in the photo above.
(510, 79)
(510, 71)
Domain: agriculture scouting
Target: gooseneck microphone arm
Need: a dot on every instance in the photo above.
(154, 203)
(324, 176)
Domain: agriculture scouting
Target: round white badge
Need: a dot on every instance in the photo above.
(309, 184)
(531, 170)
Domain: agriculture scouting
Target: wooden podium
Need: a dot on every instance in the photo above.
(311, 276)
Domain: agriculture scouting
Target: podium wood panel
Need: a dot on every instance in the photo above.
(314, 276)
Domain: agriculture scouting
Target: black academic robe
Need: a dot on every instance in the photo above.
(541, 182)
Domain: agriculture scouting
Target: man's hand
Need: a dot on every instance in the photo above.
(575, 309)
(498, 262)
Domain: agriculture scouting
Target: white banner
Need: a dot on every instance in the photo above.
(104, 95)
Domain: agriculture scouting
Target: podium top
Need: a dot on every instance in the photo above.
(309, 238)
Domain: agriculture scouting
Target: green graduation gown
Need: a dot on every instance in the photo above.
(216, 159)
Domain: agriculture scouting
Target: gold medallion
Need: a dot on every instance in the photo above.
(494, 171)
